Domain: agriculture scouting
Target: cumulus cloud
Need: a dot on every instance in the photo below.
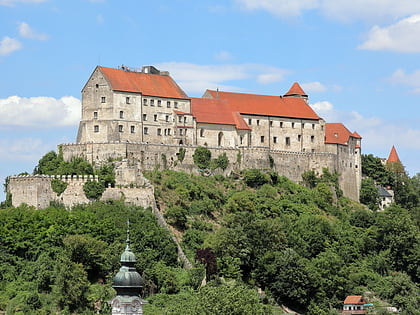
(13, 2)
(9, 45)
(27, 32)
(313, 87)
(408, 79)
(197, 78)
(39, 111)
(344, 10)
(401, 36)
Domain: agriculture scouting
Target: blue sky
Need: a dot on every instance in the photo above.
(358, 61)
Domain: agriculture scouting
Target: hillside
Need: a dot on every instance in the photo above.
(306, 248)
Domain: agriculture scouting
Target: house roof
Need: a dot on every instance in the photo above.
(383, 192)
(266, 105)
(354, 299)
(393, 156)
(144, 83)
(338, 133)
(216, 111)
(296, 90)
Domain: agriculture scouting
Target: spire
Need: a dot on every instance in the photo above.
(393, 156)
(296, 91)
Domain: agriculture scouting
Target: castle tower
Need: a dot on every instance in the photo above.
(128, 284)
(393, 163)
(296, 91)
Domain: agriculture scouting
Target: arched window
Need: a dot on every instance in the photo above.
(220, 139)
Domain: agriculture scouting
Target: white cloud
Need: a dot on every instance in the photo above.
(197, 78)
(9, 45)
(401, 36)
(27, 32)
(280, 7)
(344, 10)
(408, 79)
(13, 2)
(324, 106)
(23, 149)
(223, 56)
(313, 87)
(39, 111)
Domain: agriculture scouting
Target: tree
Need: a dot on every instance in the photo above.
(202, 157)
(93, 189)
(369, 194)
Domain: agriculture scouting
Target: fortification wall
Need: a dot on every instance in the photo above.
(36, 191)
(159, 156)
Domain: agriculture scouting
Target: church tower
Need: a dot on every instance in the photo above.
(128, 284)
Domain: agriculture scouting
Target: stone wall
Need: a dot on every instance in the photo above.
(148, 157)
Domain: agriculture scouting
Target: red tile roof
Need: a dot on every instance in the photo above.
(216, 111)
(267, 105)
(338, 133)
(296, 90)
(354, 299)
(145, 83)
(393, 156)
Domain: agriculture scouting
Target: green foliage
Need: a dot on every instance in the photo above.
(221, 162)
(202, 157)
(106, 175)
(369, 194)
(58, 186)
(372, 167)
(177, 216)
(271, 161)
(181, 154)
(93, 189)
(255, 178)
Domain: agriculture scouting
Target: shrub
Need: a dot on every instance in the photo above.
(202, 157)
(58, 186)
(255, 178)
(93, 189)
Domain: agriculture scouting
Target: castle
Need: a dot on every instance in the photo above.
(146, 119)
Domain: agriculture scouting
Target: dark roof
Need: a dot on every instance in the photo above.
(383, 192)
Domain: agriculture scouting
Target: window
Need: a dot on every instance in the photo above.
(103, 99)
(168, 104)
(299, 137)
(293, 125)
(144, 117)
(313, 150)
(167, 118)
(275, 139)
(185, 119)
(313, 126)
(179, 118)
(159, 103)
(97, 85)
(159, 131)
(249, 121)
(127, 100)
(169, 131)
(95, 115)
(145, 101)
(176, 104)
(121, 114)
(152, 102)
(271, 123)
(155, 117)
(146, 130)
(262, 139)
(202, 133)
(96, 128)
(185, 133)
(241, 139)
(287, 140)
(312, 138)
(132, 129)
(120, 128)
(281, 124)
(258, 122)
(180, 132)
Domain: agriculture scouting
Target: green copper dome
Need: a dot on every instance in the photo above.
(128, 281)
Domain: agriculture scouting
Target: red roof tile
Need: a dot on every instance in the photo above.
(338, 133)
(145, 83)
(354, 299)
(296, 90)
(181, 113)
(216, 111)
(393, 156)
(266, 105)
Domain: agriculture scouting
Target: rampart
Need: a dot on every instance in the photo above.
(148, 157)
(36, 190)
